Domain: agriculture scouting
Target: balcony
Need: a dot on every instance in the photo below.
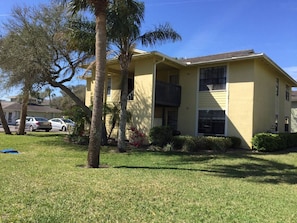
(167, 94)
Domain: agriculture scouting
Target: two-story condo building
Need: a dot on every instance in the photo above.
(230, 94)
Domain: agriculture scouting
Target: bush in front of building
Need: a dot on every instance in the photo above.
(269, 142)
(184, 143)
(160, 135)
(219, 143)
(199, 143)
(236, 142)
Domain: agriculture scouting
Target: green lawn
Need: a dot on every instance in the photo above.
(46, 183)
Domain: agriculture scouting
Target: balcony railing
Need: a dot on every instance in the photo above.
(167, 94)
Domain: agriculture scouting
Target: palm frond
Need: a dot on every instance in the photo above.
(74, 6)
(161, 34)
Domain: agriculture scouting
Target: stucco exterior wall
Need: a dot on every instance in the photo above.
(164, 74)
(267, 104)
(141, 107)
(89, 91)
(294, 116)
(239, 113)
(115, 92)
(187, 113)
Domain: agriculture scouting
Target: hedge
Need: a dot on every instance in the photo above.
(160, 135)
(195, 144)
(268, 142)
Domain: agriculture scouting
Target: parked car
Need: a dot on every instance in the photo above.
(62, 124)
(36, 123)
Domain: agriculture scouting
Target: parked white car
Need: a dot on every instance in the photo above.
(62, 124)
(36, 123)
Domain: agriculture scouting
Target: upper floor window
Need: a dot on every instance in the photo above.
(212, 78)
(287, 93)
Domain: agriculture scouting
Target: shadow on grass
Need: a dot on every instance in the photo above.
(258, 170)
(247, 166)
(46, 134)
(59, 139)
(160, 168)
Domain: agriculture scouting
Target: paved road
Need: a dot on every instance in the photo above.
(13, 129)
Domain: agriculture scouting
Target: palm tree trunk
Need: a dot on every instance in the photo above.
(21, 130)
(96, 123)
(4, 122)
(123, 112)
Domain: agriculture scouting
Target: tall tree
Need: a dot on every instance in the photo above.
(99, 8)
(3, 121)
(37, 50)
(64, 102)
(124, 25)
(48, 92)
(16, 61)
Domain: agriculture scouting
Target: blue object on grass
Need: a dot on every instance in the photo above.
(11, 151)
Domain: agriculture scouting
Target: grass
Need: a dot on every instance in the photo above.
(46, 183)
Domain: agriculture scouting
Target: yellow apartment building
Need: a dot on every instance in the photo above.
(230, 94)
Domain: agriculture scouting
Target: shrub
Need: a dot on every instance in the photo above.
(160, 135)
(292, 140)
(202, 143)
(178, 142)
(219, 143)
(184, 143)
(236, 142)
(268, 142)
(137, 137)
(195, 144)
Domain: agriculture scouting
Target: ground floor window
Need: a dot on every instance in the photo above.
(211, 122)
(172, 119)
(286, 124)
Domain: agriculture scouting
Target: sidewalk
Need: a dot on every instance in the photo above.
(11, 127)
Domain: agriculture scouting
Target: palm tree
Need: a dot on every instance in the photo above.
(99, 8)
(123, 23)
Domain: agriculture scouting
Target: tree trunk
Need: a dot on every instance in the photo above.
(123, 112)
(96, 123)
(3, 120)
(22, 126)
(72, 96)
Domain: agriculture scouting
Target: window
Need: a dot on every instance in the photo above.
(10, 117)
(212, 78)
(130, 88)
(211, 122)
(172, 119)
(276, 124)
(108, 90)
(277, 87)
(287, 93)
(286, 124)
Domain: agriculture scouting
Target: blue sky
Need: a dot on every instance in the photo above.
(218, 26)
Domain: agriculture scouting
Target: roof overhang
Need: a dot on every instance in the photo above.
(248, 57)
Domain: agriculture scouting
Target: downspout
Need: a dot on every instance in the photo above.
(154, 90)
